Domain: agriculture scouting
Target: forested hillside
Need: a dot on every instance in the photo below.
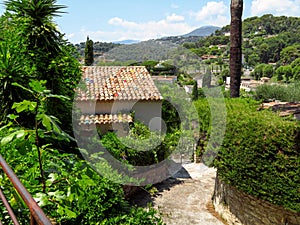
(263, 39)
(271, 46)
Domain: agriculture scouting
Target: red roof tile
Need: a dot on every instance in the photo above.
(118, 83)
(105, 119)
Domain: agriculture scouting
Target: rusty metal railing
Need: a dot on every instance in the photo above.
(37, 216)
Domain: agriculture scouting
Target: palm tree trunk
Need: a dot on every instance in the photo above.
(236, 9)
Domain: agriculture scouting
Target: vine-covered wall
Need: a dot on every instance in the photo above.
(260, 154)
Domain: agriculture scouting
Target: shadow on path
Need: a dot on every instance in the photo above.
(143, 197)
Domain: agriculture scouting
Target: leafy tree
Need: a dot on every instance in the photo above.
(288, 72)
(43, 123)
(289, 54)
(37, 16)
(295, 63)
(150, 65)
(276, 44)
(259, 71)
(268, 71)
(89, 52)
(40, 52)
(13, 68)
(279, 72)
(33, 21)
(296, 68)
(264, 53)
(296, 73)
(284, 72)
(235, 47)
(253, 59)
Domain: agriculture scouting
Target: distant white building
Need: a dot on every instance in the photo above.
(248, 84)
(188, 88)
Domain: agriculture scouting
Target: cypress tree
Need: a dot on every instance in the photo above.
(89, 52)
(195, 91)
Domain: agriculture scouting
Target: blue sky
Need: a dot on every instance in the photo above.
(114, 20)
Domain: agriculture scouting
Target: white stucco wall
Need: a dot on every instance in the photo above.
(149, 112)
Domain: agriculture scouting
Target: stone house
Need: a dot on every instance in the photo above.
(115, 96)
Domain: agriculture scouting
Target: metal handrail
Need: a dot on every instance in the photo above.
(37, 216)
(9, 209)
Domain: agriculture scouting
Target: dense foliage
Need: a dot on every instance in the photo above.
(260, 153)
(76, 194)
(40, 52)
(38, 74)
(266, 39)
(288, 93)
(140, 148)
(66, 187)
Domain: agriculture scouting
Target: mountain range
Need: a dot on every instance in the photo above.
(202, 31)
(199, 32)
(126, 42)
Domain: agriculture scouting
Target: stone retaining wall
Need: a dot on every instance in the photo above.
(152, 175)
(239, 208)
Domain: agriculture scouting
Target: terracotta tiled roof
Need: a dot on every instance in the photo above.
(105, 119)
(118, 83)
(285, 108)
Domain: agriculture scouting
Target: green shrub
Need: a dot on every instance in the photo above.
(204, 115)
(289, 93)
(75, 193)
(212, 122)
(260, 154)
(141, 147)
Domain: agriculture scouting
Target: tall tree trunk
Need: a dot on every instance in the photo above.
(236, 10)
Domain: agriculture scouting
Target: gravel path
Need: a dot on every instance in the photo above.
(182, 199)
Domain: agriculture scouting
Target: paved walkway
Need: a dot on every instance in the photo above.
(183, 199)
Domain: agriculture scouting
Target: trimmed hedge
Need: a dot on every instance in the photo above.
(260, 154)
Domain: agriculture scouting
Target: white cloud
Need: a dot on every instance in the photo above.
(171, 25)
(124, 30)
(70, 36)
(213, 13)
(123, 23)
(275, 7)
(174, 18)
